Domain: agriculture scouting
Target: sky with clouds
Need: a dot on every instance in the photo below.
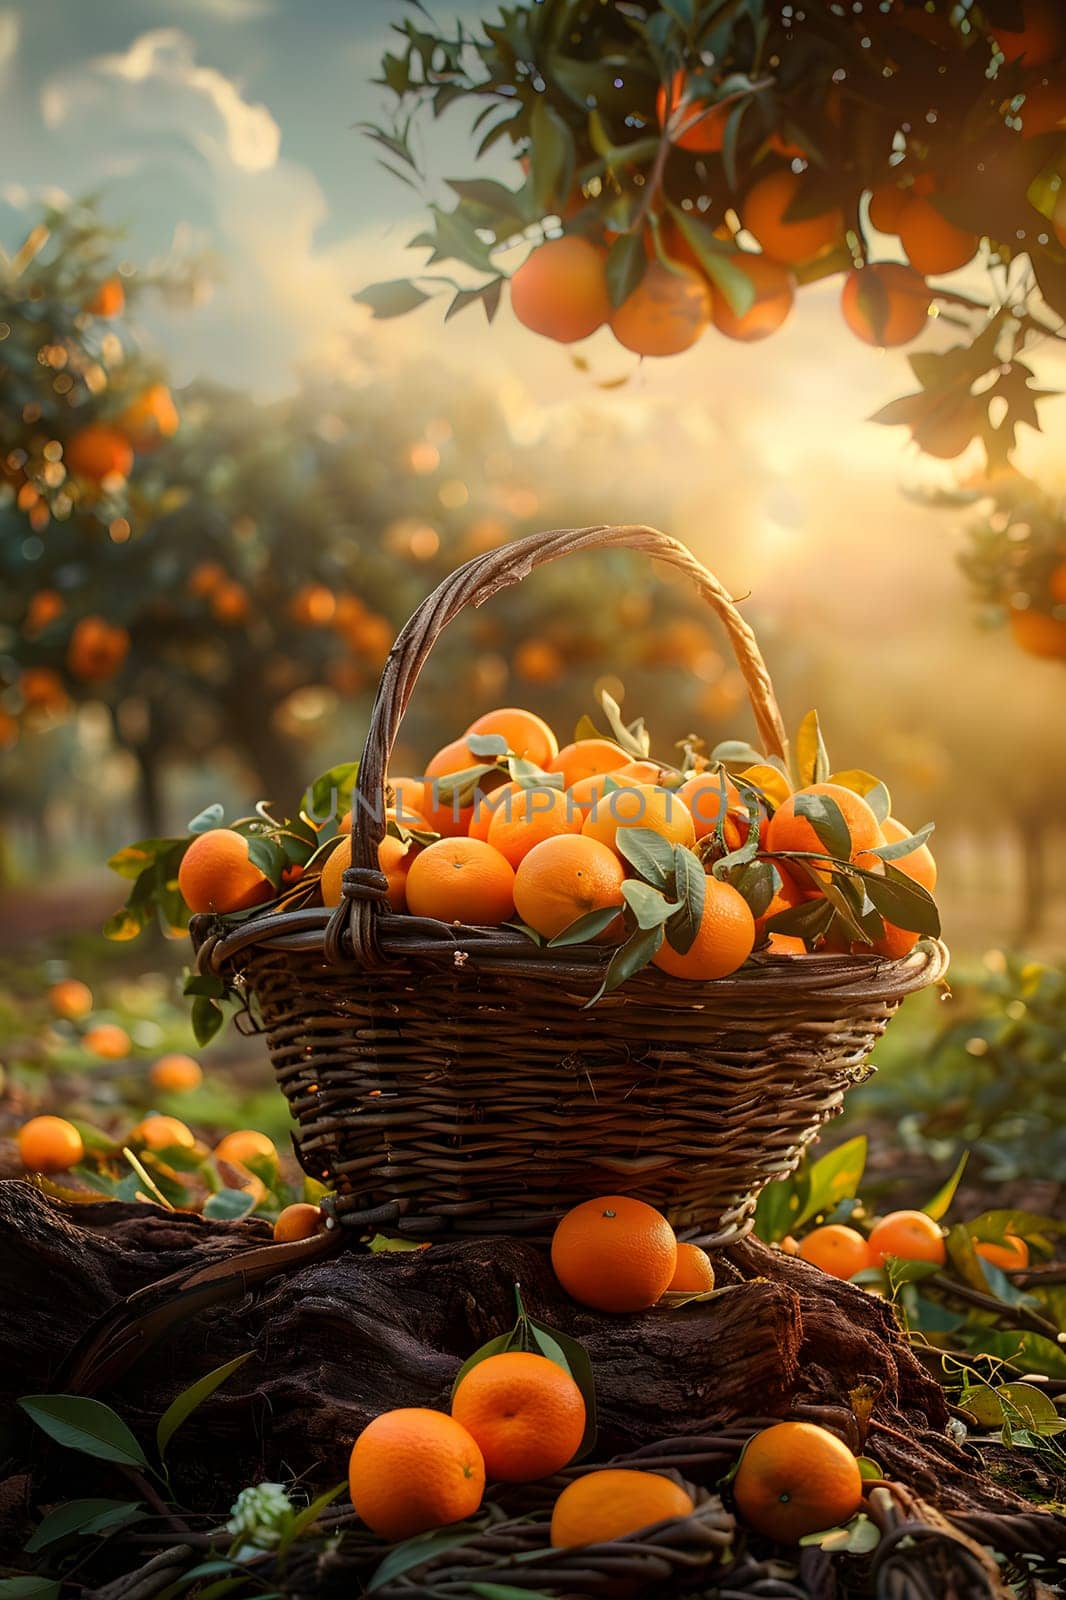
(231, 125)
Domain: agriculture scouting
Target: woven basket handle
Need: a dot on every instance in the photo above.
(473, 584)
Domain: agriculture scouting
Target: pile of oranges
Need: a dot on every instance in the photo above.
(517, 1416)
(586, 844)
(554, 848)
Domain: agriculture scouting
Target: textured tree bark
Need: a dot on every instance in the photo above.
(340, 1338)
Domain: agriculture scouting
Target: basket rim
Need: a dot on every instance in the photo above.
(220, 946)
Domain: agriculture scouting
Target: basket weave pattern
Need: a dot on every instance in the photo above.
(449, 1079)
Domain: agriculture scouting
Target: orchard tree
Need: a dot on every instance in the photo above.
(689, 162)
(226, 577)
(1016, 561)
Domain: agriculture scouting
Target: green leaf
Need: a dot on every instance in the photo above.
(392, 299)
(634, 740)
(207, 1017)
(490, 194)
(204, 821)
(265, 1168)
(205, 983)
(551, 157)
(835, 1177)
(903, 847)
(690, 887)
(982, 1405)
(648, 853)
(626, 266)
(674, 1299)
(487, 744)
(229, 1205)
(84, 1517)
(499, 1346)
(757, 881)
(872, 790)
(736, 751)
(530, 776)
(329, 796)
(187, 1401)
(902, 901)
(731, 142)
(487, 295)
(176, 1155)
(267, 856)
(745, 853)
(779, 1205)
(849, 904)
(869, 1470)
(155, 1190)
(858, 1537)
(650, 908)
(460, 786)
(124, 925)
(571, 1355)
(628, 959)
(586, 927)
(899, 1271)
(85, 1425)
(1029, 1407)
(99, 1182)
(812, 762)
(995, 1225)
(806, 921)
(131, 862)
(308, 1517)
(722, 264)
(413, 1552)
(827, 820)
(939, 1204)
(28, 1587)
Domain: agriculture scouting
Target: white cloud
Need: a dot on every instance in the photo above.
(157, 84)
(9, 38)
(176, 147)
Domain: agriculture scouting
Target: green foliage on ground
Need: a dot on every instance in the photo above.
(983, 1072)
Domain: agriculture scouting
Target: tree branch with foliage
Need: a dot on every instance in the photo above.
(704, 161)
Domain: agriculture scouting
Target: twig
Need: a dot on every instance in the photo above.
(155, 1576)
(176, 1523)
(1018, 1318)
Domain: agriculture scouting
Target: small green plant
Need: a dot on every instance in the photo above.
(178, 1176)
(264, 1518)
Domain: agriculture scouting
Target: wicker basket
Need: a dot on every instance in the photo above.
(448, 1079)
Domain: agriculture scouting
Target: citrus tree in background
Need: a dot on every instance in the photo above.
(226, 577)
(692, 162)
(1015, 559)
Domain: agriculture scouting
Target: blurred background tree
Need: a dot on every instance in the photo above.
(225, 577)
